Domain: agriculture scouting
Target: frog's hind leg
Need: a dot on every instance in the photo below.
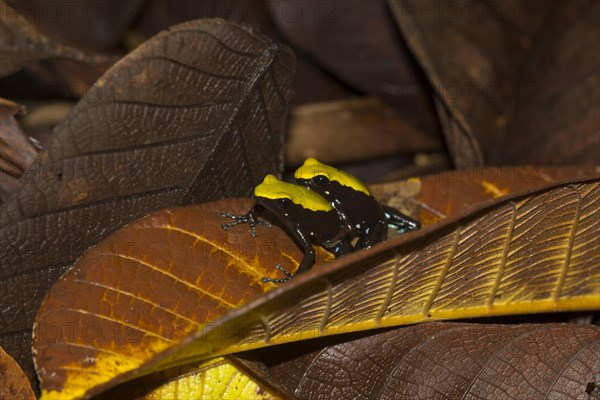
(399, 221)
(372, 235)
(342, 248)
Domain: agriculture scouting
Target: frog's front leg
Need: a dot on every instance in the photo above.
(251, 218)
(307, 261)
(341, 244)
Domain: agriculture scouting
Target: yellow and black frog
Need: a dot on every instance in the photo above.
(328, 207)
(307, 216)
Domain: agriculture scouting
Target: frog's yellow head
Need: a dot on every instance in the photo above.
(273, 189)
(313, 168)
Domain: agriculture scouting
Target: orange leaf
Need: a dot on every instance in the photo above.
(150, 285)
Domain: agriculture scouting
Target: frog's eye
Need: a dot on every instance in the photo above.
(320, 180)
(282, 204)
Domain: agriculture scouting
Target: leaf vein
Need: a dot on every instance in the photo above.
(442, 275)
(191, 67)
(504, 256)
(569, 248)
(134, 296)
(390, 291)
(248, 269)
(116, 321)
(175, 278)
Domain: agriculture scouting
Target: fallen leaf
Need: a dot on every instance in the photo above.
(358, 43)
(21, 43)
(516, 82)
(354, 129)
(312, 83)
(149, 286)
(162, 127)
(90, 24)
(439, 360)
(215, 379)
(13, 382)
(440, 196)
(476, 263)
(16, 150)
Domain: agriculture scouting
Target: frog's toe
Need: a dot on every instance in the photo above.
(285, 271)
(288, 275)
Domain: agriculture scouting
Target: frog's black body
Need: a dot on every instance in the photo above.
(308, 217)
(323, 228)
(365, 213)
(368, 218)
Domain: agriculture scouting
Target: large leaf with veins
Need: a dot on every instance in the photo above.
(195, 114)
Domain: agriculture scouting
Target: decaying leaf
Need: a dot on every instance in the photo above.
(149, 286)
(90, 24)
(476, 263)
(440, 360)
(21, 43)
(517, 81)
(348, 130)
(13, 382)
(16, 150)
(162, 127)
(443, 195)
(357, 41)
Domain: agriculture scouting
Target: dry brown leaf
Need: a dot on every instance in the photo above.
(439, 196)
(357, 41)
(16, 150)
(517, 82)
(150, 285)
(354, 129)
(439, 360)
(162, 127)
(21, 43)
(13, 382)
(477, 263)
(89, 24)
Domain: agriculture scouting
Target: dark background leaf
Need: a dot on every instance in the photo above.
(431, 360)
(16, 150)
(355, 129)
(21, 43)
(162, 127)
(357, 41)
(87, 24)
(518, 82)
(312, 83)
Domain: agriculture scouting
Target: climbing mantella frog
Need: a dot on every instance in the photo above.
(307, 216)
